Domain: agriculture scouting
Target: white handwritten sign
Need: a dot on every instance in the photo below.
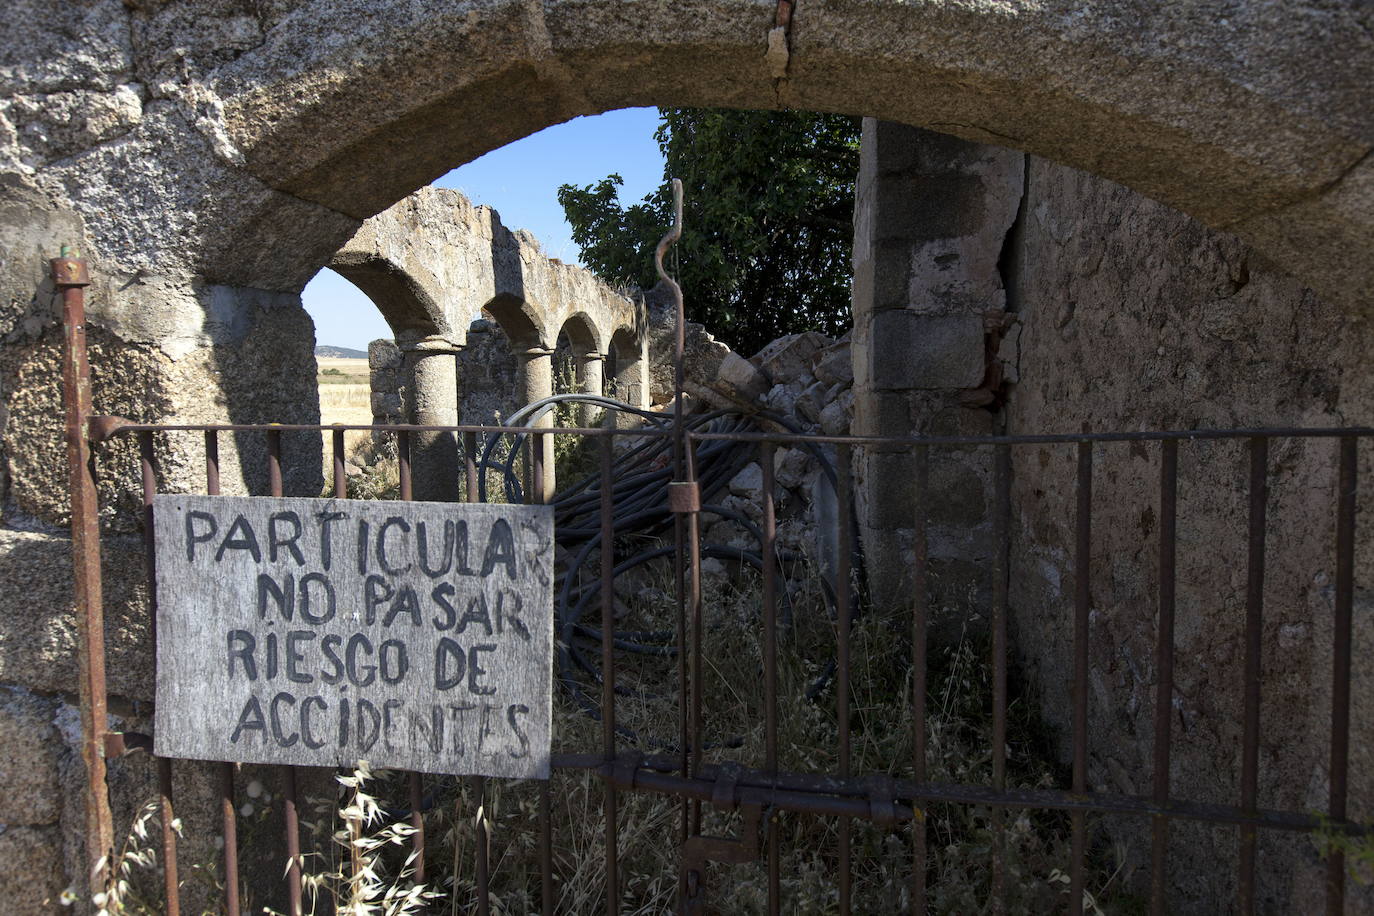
(321, 632)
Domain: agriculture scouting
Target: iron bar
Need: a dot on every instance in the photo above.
(1346, 487)
(414, 782)
(1254, 635)
(538, 495)
(1164, 669)
(919, 667)
(470, 466)
(403, 464)
(274, 471)
(698, 631)
(477, 784)
(126, 427)
(212, 462)
(228, 817)
(71, 279)
(844, 614)
(830, 796)
(1183, 435)
(1001, 577)
(1082, 608)
(291, 816)
(680, 642)
(768, 551)
(228, 814)
(336, 444)
(608, 669)
(171, 886)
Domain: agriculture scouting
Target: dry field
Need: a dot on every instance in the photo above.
(344, 396)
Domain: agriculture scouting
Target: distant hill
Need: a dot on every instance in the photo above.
(340, 353)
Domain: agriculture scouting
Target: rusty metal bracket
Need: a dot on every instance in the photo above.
(684, 496)
(699, 850)
(882, 803)
(70, 272)
(122, 744)
(623, 774)
(101, 429)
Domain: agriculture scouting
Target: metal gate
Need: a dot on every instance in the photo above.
(758, 793)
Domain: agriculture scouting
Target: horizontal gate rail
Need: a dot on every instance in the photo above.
(862, 796)
(108, 427)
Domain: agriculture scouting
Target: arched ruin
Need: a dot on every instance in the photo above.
(434, 264)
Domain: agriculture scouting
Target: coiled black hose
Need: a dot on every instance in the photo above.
(639, 497)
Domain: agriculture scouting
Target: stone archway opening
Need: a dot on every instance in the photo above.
(972, 336)
(580, 364)
(1258, 124)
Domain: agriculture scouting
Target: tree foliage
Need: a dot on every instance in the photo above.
(768, 209)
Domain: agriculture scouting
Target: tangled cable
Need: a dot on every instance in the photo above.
(639, 498)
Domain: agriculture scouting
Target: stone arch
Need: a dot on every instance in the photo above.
(1198, 114)
(627, 366)
(583, 333)
(588, 352)
(428, 369)
(409, 310)
(521, 322)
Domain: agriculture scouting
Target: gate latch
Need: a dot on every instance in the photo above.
(698, 850)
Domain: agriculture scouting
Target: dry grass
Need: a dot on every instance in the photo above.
(961, 838)
(345, 397)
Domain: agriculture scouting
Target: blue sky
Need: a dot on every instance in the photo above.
(520, 181)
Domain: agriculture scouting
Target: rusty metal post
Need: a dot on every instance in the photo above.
(70, 276)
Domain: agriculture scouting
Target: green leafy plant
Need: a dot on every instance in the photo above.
(768, 220)
(1357, 847)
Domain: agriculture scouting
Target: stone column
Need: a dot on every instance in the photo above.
(431, 369)
(536, 383)
(591, 368)
(931, 215)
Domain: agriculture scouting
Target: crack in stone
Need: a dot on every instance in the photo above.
(1315, 194)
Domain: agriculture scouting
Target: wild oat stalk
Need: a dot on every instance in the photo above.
(367, 890)
(134, 851)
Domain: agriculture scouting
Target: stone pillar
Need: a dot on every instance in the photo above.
(931, 215)
(591, 368)
(536, 383)
(385, 365)
(431, 370)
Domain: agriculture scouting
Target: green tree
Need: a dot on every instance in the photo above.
(768, 210)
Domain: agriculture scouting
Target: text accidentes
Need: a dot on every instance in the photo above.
(365, 630)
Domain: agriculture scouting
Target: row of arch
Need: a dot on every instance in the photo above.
(434, 263)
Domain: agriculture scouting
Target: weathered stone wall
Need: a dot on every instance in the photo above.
(1135, 317)
(158, 350)
(1121, 315)
(487, 375)
(931, 212)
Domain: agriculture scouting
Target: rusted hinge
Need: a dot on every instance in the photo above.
(698, 850)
